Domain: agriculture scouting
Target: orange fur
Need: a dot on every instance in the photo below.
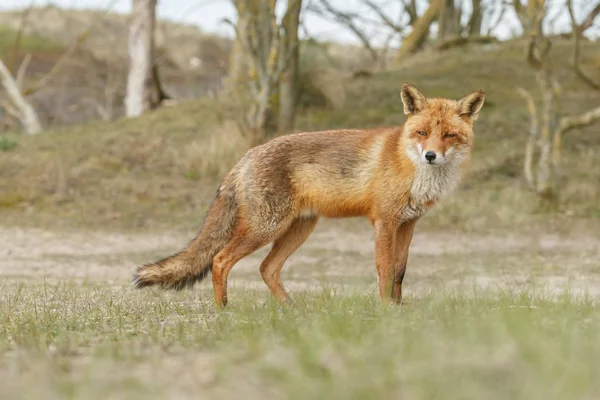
(278, 190)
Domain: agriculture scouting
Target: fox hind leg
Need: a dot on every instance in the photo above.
(238, 247)
(283, 247)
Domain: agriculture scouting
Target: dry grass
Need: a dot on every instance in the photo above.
(215, 155)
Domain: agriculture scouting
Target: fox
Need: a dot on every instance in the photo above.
(278, 191)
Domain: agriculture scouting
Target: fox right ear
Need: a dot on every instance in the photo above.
(414, 101)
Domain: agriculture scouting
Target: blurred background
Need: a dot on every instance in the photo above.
(126, 114)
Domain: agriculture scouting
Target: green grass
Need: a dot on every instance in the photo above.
(7, 143)
(85, 341)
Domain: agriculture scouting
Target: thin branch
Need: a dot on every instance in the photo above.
(11, 110)
(22, 70)
(589, 20)
(57, 66)
(585, 119)
(578, 30)
(347, 20)
(495, 24)
(521, 14)
(383, 15)
(17, 43)
(70, 50)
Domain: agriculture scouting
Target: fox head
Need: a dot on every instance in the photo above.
(439, 131)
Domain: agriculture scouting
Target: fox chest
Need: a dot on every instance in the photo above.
(428, 186)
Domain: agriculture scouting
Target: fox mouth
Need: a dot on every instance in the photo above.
(434, 163)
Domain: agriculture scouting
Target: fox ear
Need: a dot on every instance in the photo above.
(414, 101)
(468, 107)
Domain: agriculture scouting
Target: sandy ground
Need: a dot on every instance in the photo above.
(333, 256)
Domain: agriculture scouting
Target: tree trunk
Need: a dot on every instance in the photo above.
(546, 168)
(26, 114)
(448, 21)
(476, 19)
(420, 29)
(141, 90)
(264, 62)
(288, 82)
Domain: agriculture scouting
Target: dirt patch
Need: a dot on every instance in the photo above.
(332, 257)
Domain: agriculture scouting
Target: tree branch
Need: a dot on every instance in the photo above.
(20, 78)
(534, 133)
(347, 20)
(568, 123)
(19, 37)
(386, 20)
(26, 113)
(578, 30)
(589, 20)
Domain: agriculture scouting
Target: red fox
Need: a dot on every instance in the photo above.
(278, 190)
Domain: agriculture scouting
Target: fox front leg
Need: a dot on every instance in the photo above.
(404, 235)
(385, 233)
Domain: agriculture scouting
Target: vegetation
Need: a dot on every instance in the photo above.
(91, 341)
(7, 143)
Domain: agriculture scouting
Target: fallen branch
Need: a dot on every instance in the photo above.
(464, 40)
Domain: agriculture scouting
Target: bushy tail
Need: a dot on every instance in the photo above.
(195, 262)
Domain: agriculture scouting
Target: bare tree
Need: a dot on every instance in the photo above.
(141, 84)
(547, 125)
(269, 48)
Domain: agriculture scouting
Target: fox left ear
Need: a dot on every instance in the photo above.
(468, 107)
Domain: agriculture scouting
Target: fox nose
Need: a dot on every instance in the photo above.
(430, 156)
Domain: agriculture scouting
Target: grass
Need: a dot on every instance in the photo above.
(7, 143)
(88, 341)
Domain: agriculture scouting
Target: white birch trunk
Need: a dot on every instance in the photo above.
(140, 89)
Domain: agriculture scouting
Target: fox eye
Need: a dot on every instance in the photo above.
(422, 133)
(450, 135)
